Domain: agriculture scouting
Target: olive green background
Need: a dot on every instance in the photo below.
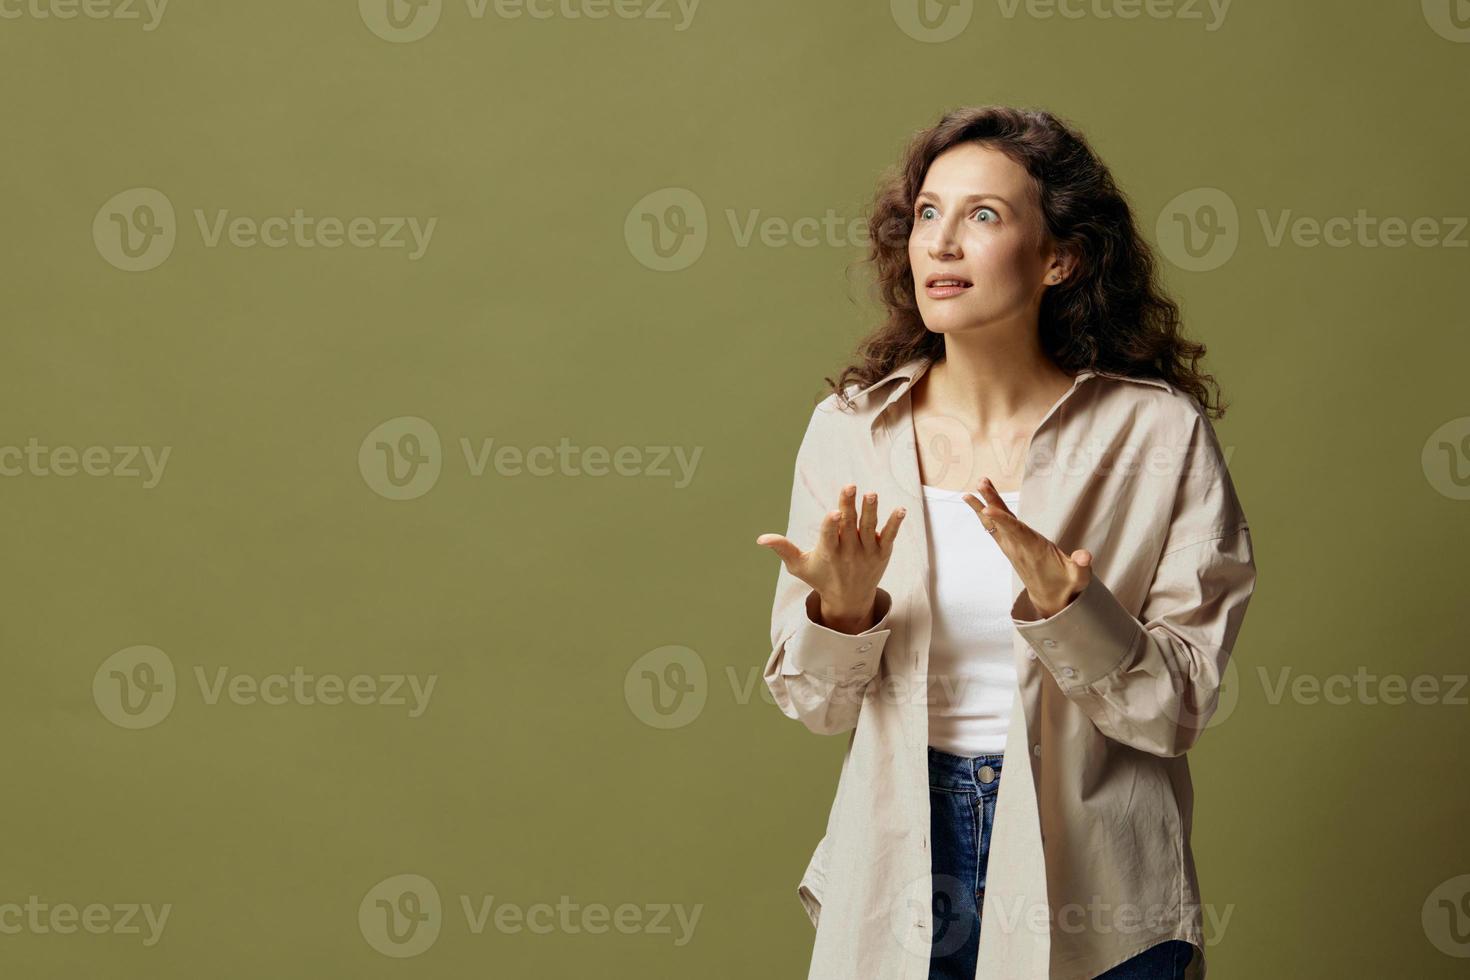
(1322, 829)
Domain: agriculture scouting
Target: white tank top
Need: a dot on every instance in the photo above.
(972, 673)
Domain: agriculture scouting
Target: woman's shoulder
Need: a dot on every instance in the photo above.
(834, 428)
(1151, 402)
(852, 404)
(1163, 423)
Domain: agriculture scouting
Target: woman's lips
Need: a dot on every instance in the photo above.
(944, 292)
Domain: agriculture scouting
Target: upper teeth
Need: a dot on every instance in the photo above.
(948, 282)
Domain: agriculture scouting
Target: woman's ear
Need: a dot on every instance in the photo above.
(1063, 267)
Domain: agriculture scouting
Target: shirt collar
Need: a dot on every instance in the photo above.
(886, 390)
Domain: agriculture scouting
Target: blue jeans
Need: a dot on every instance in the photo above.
(962, 795)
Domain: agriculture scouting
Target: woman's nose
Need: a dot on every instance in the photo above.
(946, 244)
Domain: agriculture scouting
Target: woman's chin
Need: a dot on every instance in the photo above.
(949, 321)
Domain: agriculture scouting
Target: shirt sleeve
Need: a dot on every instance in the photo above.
(818, 675)
(1152, 681)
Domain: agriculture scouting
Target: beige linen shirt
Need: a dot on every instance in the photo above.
(1090, 860)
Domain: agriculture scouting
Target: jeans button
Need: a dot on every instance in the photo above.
(987, 775)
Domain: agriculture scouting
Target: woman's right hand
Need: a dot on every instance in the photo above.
(846, 563)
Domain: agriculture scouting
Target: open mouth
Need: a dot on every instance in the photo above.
(940, 285)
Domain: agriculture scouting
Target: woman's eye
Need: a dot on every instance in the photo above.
(925, 209)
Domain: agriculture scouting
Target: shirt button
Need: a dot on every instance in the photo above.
(865, 648)
(859, 665)
(1049, 643)
(1030, 653)
(1069, 672)
(1036, 750)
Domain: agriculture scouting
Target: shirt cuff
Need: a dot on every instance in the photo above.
(847, 657)
(1083, 642)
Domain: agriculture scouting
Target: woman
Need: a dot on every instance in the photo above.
(1063, 609)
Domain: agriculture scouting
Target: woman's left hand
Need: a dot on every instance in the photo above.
(1052, 578)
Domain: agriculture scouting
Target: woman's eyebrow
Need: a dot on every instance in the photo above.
(967, 198)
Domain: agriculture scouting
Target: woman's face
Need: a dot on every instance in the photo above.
(977, 219)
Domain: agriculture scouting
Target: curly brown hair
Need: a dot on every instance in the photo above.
(1109, 315)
